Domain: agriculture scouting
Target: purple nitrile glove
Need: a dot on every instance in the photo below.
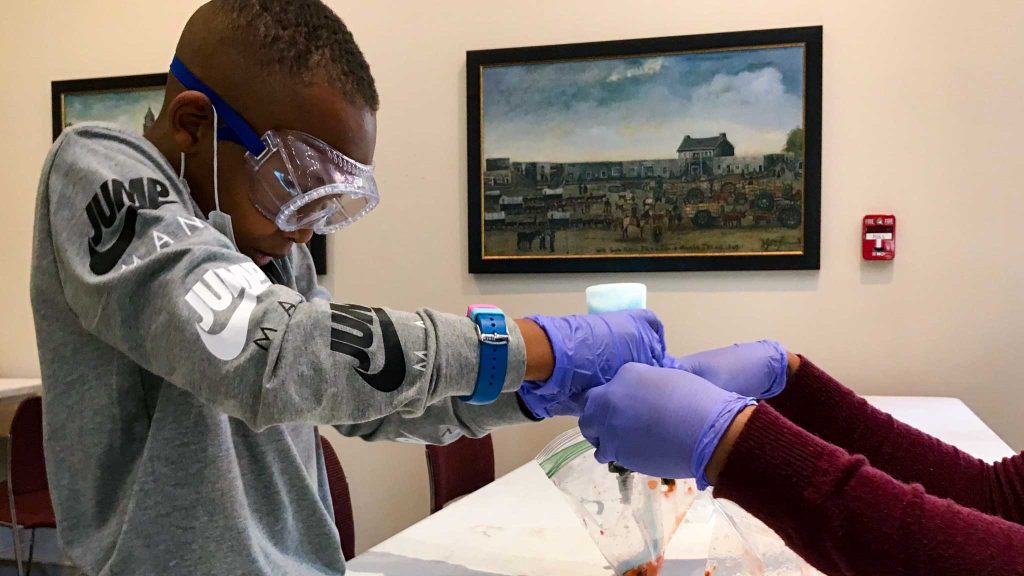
(588, 351)
(756, 369)
(658, 421)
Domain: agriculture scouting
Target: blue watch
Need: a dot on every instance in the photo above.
(493, 335)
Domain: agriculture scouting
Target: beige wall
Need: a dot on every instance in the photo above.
(922, 117)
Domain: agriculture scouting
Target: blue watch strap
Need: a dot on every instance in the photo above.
(493, 336)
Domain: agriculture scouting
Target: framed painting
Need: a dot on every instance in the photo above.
(681, 153)
(131, 102)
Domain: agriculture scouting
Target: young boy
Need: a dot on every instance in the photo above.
(186, 349)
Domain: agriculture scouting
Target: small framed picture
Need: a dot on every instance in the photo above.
(681, 153)
(131, 102)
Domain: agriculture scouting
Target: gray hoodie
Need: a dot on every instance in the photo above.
(182, 383)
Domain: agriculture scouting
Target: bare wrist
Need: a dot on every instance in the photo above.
(540, 359)
(792, 363)
(725, 445)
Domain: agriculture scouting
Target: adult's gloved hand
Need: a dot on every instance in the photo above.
(756, 369)
(659, 421)
(588, 351)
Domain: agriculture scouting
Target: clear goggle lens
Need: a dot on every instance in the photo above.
(302, 182)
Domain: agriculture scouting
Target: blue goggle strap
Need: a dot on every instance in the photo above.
(235, 128)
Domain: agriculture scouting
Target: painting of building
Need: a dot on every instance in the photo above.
(672, 154)
(713, 147)
(131, 109)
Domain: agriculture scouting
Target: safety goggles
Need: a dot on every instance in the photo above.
(299, 180)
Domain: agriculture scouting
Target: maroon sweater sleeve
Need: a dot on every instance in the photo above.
(847, 518)
(816, 402)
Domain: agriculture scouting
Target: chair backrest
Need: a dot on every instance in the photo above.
(341, 500)
(459, 468)
(27, 467)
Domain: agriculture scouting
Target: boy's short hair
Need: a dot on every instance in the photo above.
(304, 39)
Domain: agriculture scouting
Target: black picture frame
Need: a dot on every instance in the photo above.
(807, 258)
(60, 89)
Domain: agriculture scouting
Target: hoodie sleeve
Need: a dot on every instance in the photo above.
(150, 278)
(444, 422)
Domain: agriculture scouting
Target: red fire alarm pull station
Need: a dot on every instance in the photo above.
(879, 237)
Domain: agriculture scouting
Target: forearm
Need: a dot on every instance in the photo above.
(819, 404)
(451, 418)
(846, 517)
(540, 360)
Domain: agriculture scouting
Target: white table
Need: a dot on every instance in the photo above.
(11, 388)
(521, 525)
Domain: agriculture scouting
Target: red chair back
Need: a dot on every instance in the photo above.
(459, 468)
(27, 468)
(341, 500)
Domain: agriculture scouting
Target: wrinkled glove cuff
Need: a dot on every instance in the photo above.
(544, 404)
(781, 365)
(524, 406)
(673, 362)
(711, 435)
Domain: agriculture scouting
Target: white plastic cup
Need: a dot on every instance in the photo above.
(614, 297)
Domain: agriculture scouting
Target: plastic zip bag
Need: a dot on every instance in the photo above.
(632, 523)
(742, 545)
(631, 518)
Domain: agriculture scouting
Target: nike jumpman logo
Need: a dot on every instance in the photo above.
(227, 344)
(392, 374)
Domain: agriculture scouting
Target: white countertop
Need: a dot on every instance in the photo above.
(521, 525)
(18, 387)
